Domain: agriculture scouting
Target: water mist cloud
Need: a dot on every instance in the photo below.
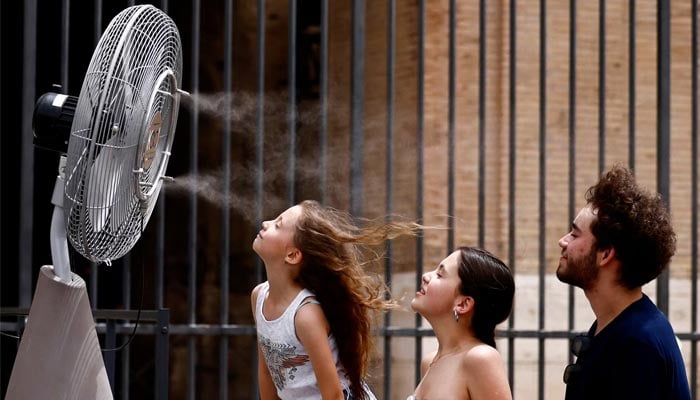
(209, 188)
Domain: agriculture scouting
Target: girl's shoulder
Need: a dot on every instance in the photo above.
(484, 372)
(480, 354)
(256, 291)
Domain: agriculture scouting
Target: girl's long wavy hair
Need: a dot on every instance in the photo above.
(334, 253)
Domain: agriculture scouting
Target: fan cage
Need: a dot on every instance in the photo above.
(133, 76)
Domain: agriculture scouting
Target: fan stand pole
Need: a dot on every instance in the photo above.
(59, 241)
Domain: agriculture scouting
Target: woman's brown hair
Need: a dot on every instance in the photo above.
(490, 282)
(334, 253)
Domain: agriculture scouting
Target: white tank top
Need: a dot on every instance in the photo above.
(286, 358)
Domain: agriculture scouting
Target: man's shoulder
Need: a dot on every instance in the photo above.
(643, 320)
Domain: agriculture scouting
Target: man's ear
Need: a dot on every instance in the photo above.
(293, 256)
(606, 256)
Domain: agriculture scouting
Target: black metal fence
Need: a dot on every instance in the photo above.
(56, 38)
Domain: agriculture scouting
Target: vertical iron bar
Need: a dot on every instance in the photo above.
(94, 271)
(26, 194)
(542, 194)
(292, 60)
(125, 353)
(420, 140)
(390, 64)
(572, 146)
(357, 95)
(512, 59)
(482, 121)
(694, 202)
(126, 293)
(632, 82)
(226, 211)
(260, 134)
(601, 86)
(162, 338)
(323, 134)
(160, 229)
(451, 128)
(160, 249)
(192, 223)
(664, 128)
(109, 356)
(1, 108)
(65, 44)
(92, 292)
(259, 162)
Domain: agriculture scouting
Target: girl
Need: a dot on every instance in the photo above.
(313, 313)
(469, 293)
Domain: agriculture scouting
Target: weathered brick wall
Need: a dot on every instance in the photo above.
(528, 127)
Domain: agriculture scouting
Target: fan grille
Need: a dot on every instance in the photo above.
(122, 133)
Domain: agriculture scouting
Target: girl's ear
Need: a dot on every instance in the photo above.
(465, 304)
(293, 256)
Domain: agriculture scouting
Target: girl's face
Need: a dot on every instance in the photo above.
(276, 238)
(439, 289)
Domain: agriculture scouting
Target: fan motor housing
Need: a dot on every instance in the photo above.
(52, 120)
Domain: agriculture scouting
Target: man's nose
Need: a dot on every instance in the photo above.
(564, 241)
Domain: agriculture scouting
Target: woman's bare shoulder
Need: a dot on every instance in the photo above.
(485, 373)
(481, 352)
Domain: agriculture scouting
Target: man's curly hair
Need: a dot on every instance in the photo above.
(635, 222)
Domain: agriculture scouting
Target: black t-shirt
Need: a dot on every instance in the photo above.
(635, 357)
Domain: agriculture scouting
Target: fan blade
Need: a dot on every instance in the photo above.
(105, 175)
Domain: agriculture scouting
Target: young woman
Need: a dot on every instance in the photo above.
(464, 298)
(313, 314)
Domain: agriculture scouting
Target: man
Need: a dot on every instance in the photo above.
(619, 241)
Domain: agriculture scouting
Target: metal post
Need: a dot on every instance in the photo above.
(451, 126)
(109, 356)
(292, 113)
(664, 128)
(389, 181)
(192, 206)
(26, 194)
(357, 100)
(162, 346)
(420, 140)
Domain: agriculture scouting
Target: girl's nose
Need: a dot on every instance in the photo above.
(265, 224)
(426, 277)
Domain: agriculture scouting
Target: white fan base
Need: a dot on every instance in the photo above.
(59, 355)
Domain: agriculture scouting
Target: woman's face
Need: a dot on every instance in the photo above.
(439, 289)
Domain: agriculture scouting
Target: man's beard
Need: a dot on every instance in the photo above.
(580, 272)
